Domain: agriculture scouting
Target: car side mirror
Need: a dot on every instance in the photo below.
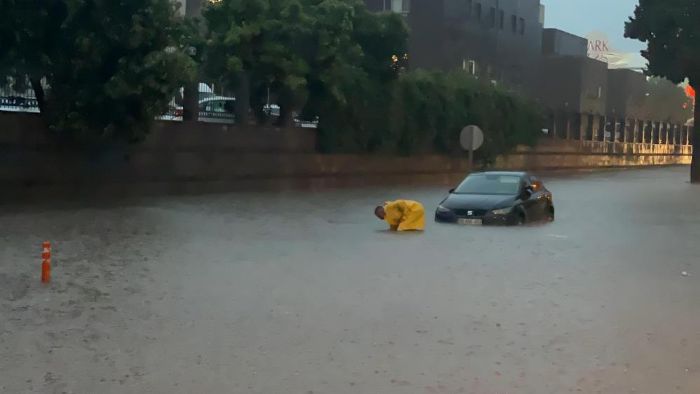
(526, 193)
(452, 191)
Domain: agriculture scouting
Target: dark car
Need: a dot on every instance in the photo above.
(498, 198)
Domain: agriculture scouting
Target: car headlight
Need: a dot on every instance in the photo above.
(502, 211)
(442, 209)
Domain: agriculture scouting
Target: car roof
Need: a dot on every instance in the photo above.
(507, 173)
(217, 98)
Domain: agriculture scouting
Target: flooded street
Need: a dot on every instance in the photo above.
(306, 292)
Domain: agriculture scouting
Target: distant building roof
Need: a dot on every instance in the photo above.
(559, 42)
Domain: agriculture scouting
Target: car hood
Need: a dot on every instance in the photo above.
(477, 201)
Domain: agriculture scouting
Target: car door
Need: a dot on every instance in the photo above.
(529, 204)
(539, 199)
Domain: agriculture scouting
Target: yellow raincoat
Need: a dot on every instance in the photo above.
(405, 215)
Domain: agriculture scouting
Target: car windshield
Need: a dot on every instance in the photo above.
(490, 184)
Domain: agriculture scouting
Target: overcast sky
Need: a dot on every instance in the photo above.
(584, 16)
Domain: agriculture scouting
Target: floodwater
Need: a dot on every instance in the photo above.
(305, 292)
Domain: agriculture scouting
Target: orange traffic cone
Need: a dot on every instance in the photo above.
(46, 262)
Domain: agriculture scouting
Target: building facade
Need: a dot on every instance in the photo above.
(572, 84)
(504, 41)
(561, 43)
(190, 7)
(397, 6)
(498, 40)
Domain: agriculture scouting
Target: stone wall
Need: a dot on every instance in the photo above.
(25, 132)
(179, 157)
(552, 154)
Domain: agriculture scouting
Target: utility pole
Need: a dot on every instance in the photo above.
(190, 99)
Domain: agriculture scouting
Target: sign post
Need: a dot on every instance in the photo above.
(471, 139)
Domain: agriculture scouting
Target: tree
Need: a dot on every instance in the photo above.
(311, 55)
(350, 83)
(192, 36)
(29, 31)
(344, 65)
(100, 69)
(258, 43)
(671, 31)
(661, 100)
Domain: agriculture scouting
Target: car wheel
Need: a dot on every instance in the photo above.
(550, 213)
(520, 219)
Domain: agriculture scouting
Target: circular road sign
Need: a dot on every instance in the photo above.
(471, 138)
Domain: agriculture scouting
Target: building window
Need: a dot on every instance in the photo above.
(501, 19)
(406, 6)
(522, 26)
(469, 66)
(514, 23)
(478, 11)
(397, 6)
(458, 9)
(492, 17)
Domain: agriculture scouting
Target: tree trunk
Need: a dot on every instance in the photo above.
(285, 119)
(190, 102)
(243, 98)
(695, 165)
(39, 94)
(190, 96)
(286, 102)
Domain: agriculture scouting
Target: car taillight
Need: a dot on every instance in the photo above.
(178, 112)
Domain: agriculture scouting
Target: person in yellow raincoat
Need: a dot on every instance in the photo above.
(402, 215)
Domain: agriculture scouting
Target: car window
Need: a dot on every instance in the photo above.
(213, 106)
(490, 184)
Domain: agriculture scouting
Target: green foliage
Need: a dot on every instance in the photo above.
(350, 85)
(336, 60)
(671, 30)
(425, 112)
(313, 55)
(108, 67)
(266, 40)
(29, 36)
(661, 100)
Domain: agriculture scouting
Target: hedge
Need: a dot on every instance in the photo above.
(424, 112)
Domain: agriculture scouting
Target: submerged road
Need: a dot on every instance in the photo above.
(305, 292)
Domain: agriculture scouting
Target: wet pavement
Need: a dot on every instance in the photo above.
(301, 292)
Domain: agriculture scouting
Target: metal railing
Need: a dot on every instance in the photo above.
(214, 106)
(12, 100)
